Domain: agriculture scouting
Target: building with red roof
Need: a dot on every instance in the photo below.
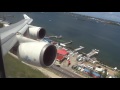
(61, 53)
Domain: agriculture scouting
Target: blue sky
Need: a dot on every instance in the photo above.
(114, 16)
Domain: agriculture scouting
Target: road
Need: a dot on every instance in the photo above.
(65, 72)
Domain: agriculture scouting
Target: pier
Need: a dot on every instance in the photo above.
(78, 49)
(68, 42)
(93, 52)
(56, 36)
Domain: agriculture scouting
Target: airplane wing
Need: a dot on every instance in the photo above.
(30, 50)
(8, 34)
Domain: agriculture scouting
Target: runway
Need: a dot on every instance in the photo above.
(64, 72)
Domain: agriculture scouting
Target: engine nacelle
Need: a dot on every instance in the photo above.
(36, 32)
(37, 53)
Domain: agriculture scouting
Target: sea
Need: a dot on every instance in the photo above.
(81, 30)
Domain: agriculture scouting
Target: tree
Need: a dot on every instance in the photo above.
(91, 71)
(117, 74)
(100, 73)
(105, 74)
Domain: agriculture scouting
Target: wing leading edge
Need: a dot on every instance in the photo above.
(8, 34)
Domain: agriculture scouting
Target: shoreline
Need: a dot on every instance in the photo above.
(100, 62)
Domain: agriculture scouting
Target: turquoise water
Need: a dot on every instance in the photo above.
(81, 31)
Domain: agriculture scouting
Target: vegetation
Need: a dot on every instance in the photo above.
(117, 74)
(16, 69)
(91, 71)
(105, 74)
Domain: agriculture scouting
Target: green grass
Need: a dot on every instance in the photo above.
(16, 69)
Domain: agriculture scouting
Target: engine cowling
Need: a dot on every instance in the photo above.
(36, 32)
(37, 53)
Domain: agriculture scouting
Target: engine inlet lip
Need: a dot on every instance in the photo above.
(42, 55)
(38, 32)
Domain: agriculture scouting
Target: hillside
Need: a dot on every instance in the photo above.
(15, 69)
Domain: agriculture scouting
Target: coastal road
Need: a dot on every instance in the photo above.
(65, 72)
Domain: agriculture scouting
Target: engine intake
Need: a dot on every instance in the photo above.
(41, 33)
(36, 32)
(37, 53)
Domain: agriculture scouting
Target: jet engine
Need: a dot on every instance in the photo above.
(36, 32)
(37, 53)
